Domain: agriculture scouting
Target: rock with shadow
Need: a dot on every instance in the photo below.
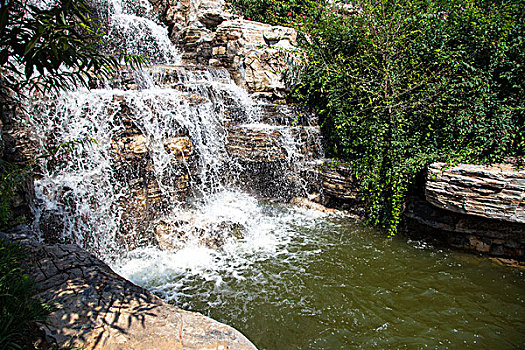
(98, 309)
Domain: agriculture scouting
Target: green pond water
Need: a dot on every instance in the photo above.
(303, 280)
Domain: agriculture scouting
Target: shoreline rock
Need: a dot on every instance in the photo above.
(473, 207)
(98, 309)
(491, 192)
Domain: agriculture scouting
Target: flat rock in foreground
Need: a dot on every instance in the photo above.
(99, 309)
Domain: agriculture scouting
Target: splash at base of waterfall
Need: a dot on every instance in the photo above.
(265, 231)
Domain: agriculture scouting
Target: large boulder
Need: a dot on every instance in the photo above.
(98, 309)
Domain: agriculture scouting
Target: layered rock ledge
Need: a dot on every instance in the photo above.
(492, 192)
(98, 309)
(475, 207)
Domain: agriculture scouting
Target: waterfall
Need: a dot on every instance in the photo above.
(167, 170)
(176, 178)
(130, 26)
(133, 129)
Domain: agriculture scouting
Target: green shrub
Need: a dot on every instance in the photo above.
(277, 12)
(18, 308)
(406, 83)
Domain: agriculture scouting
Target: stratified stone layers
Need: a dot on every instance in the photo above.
(474, 207)
(492, 192)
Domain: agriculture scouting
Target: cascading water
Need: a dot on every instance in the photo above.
(130, 26)
(161, 135)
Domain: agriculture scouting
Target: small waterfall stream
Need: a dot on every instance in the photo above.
(131, 26)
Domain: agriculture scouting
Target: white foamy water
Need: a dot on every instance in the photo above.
(84, 193)
(131, 26)
(266, 232)
(142, 36)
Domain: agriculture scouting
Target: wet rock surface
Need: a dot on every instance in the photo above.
(309, 204)
(98, 309)
(175, 233)
(142, 194)
(260, 142)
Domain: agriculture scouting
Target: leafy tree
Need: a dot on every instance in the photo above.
(50, 48)
(400, 84)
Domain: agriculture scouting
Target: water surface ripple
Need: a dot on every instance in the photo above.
(303, 280)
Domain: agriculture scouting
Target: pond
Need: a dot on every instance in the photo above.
(302, 279)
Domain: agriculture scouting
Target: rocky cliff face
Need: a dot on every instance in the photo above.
(257, 55)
